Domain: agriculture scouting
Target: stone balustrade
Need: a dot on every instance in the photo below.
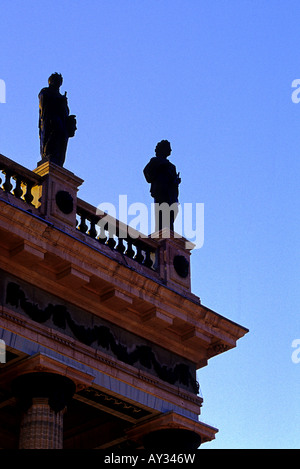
(18, 181)
(116, 235)
(50, 192)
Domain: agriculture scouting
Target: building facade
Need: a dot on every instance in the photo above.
(103, 336)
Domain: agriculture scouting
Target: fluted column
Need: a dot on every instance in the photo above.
(41, 427)
(43, 397)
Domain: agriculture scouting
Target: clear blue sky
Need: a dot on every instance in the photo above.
(214, 78)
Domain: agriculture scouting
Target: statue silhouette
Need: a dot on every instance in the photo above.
(56, 126)
(164, 180)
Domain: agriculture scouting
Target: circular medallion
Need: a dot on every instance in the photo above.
(64, 201)
(181, 266)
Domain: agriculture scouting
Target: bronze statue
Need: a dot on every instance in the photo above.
(164, 180)
(56, 125)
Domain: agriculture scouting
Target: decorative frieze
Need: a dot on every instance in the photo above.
(124, 346)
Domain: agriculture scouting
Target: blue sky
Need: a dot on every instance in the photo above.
(214, 78)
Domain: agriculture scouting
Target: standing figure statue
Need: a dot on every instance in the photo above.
(164, 180)
(56, 125)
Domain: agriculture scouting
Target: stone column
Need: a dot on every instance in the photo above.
(43, 398)
(41, 427)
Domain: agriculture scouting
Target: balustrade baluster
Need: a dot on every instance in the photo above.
(102, 238)
(93, 232)
(111, 241)
(120, 246)
(121, 236)
(18, 191)
(139, 256)
(7, 186)
(82, 226)
(148, 261)
(129, 251)
(28, 195)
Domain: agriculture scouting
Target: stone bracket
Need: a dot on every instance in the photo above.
(40, 362)
(170, 420)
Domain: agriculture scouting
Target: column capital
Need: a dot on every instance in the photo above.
(57, 389)
(171, 432)
(43, 363)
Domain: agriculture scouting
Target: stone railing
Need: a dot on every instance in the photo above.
(25, 188)
(19, 182)
(116, 235)
(50, 192)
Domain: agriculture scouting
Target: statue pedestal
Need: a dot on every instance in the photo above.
(174, 262)
(59, 191)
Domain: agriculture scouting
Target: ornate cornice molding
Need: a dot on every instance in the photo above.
(100, 336)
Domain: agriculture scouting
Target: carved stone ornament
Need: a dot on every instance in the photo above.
(64, 201)
(181, 266)
(101, 336)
